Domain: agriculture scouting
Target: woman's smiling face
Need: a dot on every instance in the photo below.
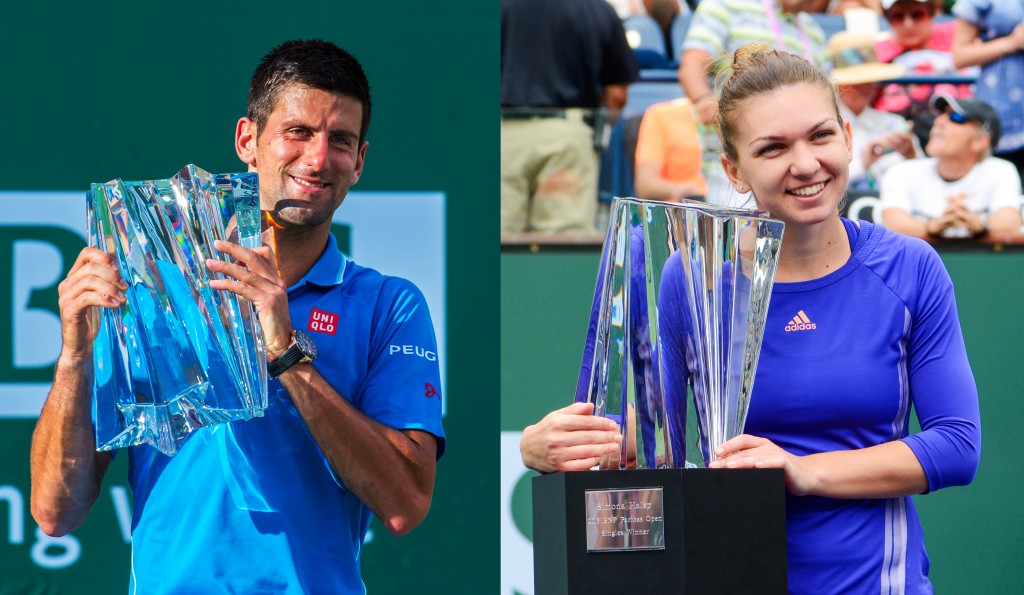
(792, 152)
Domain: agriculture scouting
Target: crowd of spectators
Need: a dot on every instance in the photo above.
(880, 138)
(891, 60)
(960, 190)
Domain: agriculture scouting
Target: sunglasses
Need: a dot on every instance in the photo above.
(917, 15)
(956, 117)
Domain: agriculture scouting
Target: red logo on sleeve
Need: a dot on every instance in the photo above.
(429, 390)
(323, 322)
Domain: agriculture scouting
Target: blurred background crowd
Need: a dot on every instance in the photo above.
(605, 98)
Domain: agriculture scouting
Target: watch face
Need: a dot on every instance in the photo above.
(306, 344)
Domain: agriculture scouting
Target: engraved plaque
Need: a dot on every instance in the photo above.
(621, 520)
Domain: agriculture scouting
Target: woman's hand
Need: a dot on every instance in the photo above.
(569, 439)
(750, 452)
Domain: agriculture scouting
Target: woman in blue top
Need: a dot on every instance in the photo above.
(832, 400)
(990, 33)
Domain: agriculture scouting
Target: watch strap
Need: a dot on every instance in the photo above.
(286, 360)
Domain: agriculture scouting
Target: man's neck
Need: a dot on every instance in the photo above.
(296, 251)
(856, 112)
(952, 169)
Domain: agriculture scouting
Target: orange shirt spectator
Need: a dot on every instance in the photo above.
(669, 156)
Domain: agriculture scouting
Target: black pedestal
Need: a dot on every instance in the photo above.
(725, 532)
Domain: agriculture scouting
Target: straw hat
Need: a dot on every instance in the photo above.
(855, 63)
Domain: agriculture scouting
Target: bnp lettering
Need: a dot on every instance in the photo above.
(39, 298)
(55, 553)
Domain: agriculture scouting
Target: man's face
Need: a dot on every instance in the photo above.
(858, 97)
(307, 154)
(951, 138)
(795, 6)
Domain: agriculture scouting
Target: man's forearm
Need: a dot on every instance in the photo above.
(614, 96)
(903, 222)
(1004, 221)
(650, 184)
(66, 469)
(974, 53)
(391, 471)
(693, 74)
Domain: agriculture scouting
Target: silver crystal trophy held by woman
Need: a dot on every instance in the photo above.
(680, 304)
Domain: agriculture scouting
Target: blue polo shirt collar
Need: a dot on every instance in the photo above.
(329, 269)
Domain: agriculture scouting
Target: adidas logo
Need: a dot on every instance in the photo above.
(800, 322)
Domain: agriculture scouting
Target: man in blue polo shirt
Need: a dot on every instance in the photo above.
(278, 504)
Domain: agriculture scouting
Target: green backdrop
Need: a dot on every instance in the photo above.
(975, 534)
(92, 91)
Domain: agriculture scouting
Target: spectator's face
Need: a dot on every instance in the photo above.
(911, 23)
(956, 139)
(307, 154)
(844, 5)
(795, 6)
(858, 97)
(792, 152)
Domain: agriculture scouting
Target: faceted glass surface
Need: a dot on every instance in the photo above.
(178, 355)
(682, 297)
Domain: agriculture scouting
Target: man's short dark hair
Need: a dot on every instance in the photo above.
(314, 63)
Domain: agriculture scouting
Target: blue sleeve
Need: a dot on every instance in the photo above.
(636, 345)
(972, 11)
(673, 324)
(586, 366)
(941, 383)
(403, 379)
(638, 309)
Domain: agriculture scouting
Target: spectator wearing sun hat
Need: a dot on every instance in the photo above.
(960, 191)
(880, 139)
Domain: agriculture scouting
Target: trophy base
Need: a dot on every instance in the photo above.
(724, 532)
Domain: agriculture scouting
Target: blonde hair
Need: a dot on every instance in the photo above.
(757, 69)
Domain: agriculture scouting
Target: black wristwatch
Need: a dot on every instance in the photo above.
(301, 351)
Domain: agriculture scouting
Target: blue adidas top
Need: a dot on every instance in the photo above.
(253, 506)
(843, 360)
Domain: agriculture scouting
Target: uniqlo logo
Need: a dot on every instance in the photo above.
(323, 322)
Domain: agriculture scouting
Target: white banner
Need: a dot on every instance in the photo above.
(516, 548)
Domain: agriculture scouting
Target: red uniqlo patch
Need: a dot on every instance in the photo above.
(323, 322)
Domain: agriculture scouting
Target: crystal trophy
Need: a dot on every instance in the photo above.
(680, 310)
(178, 356)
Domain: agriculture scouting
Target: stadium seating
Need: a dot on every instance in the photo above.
(643, 33)
(829, 23)
(678, 33)
(644, 94)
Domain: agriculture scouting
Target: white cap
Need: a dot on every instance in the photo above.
(887, 4)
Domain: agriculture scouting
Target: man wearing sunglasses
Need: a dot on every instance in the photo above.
(961, 190)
